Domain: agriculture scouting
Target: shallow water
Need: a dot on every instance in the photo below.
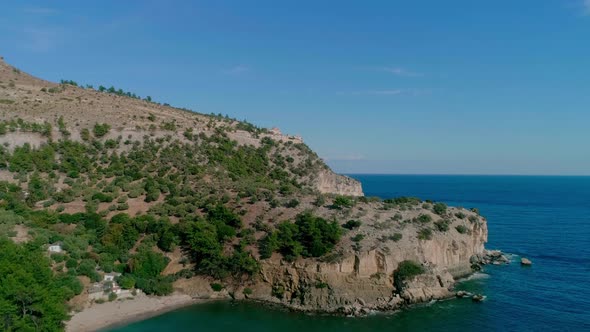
(546, 219)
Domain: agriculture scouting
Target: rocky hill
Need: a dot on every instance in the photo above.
(208, 206)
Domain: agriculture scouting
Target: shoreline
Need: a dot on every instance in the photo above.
(109, 315)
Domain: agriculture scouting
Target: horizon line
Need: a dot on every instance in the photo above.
(474, 174)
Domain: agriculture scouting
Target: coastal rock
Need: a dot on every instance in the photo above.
(478, 298)
(365, 279)
(525, 262)
(331, 183)
(463, 294)
(488, 257)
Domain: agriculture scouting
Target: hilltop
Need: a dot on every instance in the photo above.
(176, 201)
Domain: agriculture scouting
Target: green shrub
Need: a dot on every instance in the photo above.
(425, 234)
(102, 197)
(395, 237)
(112, 297)
(320, 201)
(122, 206)
(85, 134)
(424, 218)
(216, 287)
(278, 291)
(440, 208)
(352, 224)
(406, 270)
(126, 282)
(248, 291)
(462, 229)
(71, 263)
(292, 203)
(321, 285)
(58, 258)
(442, 225)
(342, 202)
(100, 130)
(402, 200)
(168, 125)
(460, 215)
(357, 238)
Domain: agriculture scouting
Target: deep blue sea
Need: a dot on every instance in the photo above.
(543, 218)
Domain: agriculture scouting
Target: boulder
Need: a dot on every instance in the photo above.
(525, 262)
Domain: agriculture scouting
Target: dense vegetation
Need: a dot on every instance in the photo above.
(32, 297)
(309, 236)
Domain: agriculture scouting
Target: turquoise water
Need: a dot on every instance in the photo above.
(546, 219)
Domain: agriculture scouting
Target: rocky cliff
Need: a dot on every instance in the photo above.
(365, 280)
(330, 182)
(355, 282)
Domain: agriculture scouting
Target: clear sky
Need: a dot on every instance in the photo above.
(451, 87)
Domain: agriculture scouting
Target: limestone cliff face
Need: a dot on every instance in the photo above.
(364, 280)
(328, 182)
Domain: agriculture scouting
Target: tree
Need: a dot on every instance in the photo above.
(31, 297)
(147, 264)
(202, 239)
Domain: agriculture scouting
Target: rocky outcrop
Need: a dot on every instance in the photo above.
(328, 182)
(360, 282)
(486, 257)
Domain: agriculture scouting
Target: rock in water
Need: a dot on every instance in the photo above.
(525, 262)
(478, 298)
(463, 294)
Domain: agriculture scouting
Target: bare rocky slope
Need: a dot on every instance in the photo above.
(366, 268)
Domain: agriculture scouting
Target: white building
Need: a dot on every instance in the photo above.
(111, 276)
(55, 248)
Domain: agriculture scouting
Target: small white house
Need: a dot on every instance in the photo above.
(55, 248)
(111, 276)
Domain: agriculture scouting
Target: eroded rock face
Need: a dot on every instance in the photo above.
(329, 182)
(364, 281)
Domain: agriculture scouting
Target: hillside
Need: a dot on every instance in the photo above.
(204, 205)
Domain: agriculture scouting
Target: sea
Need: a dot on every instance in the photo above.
(543, 218)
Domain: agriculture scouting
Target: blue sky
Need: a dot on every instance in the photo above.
(448, 87)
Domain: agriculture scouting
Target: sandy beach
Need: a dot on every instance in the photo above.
(100, 316)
